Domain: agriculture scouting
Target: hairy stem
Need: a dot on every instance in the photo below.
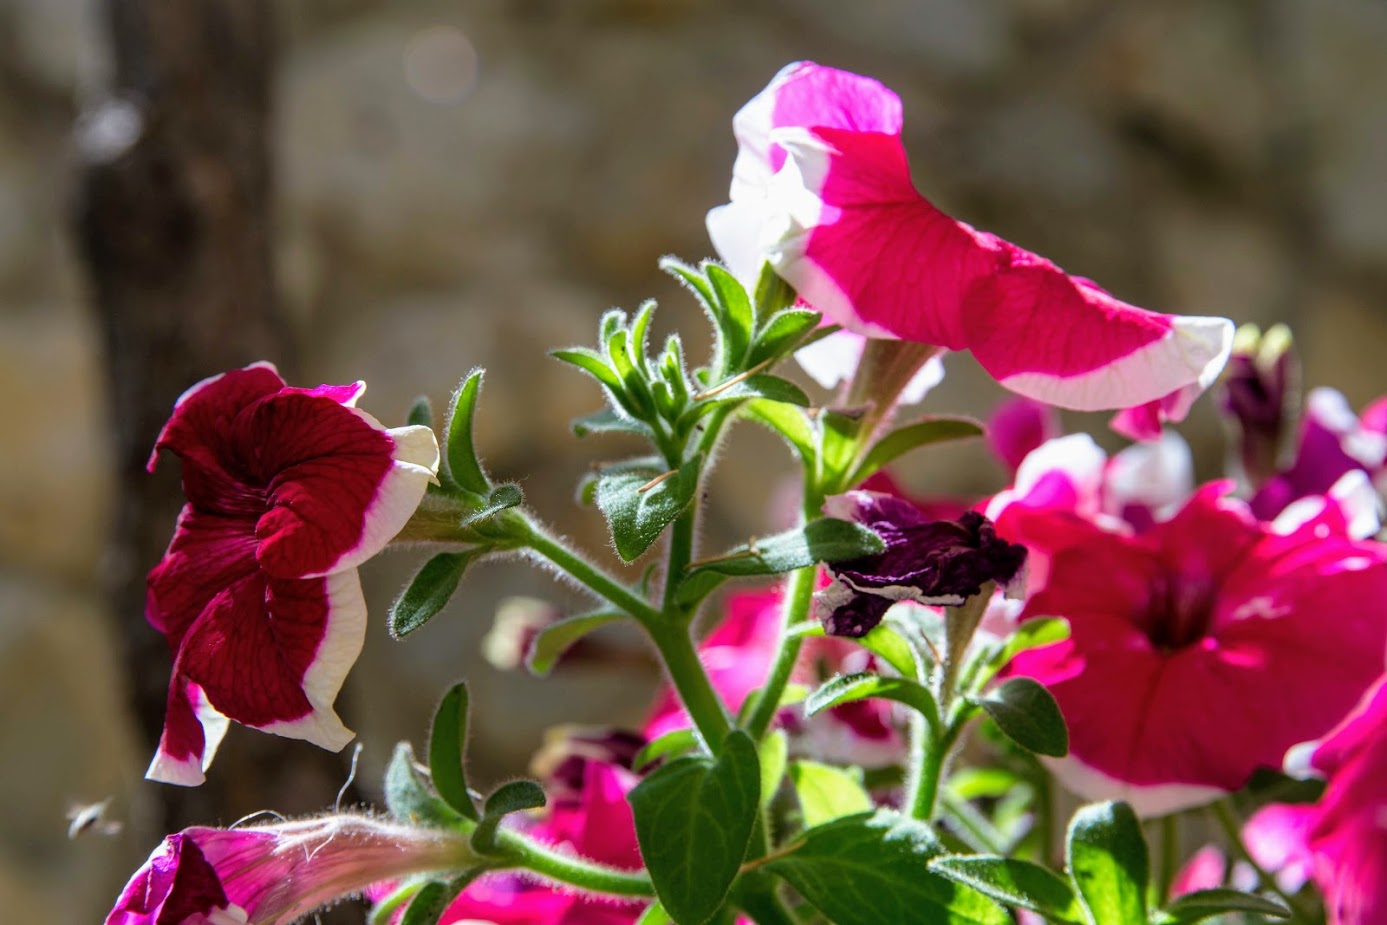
(573, 871)
(690, 681)
(589, 575)
(799, 591)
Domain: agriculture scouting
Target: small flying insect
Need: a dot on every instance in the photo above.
(91, 817)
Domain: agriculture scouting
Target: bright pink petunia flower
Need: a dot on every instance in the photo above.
(737, 655)
(275, 874)
(821, 188)
(288, 490)
(1203, 646)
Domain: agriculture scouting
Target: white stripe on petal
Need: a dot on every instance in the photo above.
(343, 636)
(1194, 351)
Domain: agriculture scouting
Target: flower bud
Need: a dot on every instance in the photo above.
(1260, 397)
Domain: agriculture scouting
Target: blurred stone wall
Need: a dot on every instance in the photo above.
(472, 184)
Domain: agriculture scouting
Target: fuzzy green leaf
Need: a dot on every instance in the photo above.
(553, 640)
(1204, 904)
(409, 797)
(460, 466)
(913, 436)
(1109, 863)
(429, 590)
(670, 745)
(446, 744)
(872, 868)
(694, 818)
(511, 797)
(846, 688)
(420, 413)
(637, 511)
(822, 540)
(1028, 714)
(782, 333)
(1016, 883)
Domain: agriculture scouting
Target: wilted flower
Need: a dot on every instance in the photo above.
(289, 490)
(942, 562)
(821, 188)
(275, 874)
(1204, 646)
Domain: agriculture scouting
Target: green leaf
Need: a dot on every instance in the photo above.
(767, 387)
(655, 914)
(872, 868)
(882, 641)
(904, 439)
(608, 421)
(737, 314)
(827, 793)
(428, 905)
(446, 743)
(775, 751)
(1203, 904)
(836, 436)
(429, 590)
(782, 333)
(1024, 710)
(592, 363)
(499, 499)
(636, 510)
(409, 797)
(787, 421)
(670, 745)
(984, 783)
(695, 282)
(822, 540)
(1034, 633)
(512, 797)
(460, 459)
(694, 818)
(1108, 863)
(1016, 883)
(420, 413)
(846, 688)
(553, 640)
(772, 294)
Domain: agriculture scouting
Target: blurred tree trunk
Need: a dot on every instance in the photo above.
(173, 221)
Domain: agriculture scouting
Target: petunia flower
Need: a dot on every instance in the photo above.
(821, 189)
(589, 815)
(1203, 646)
(935, 562)
(289, 490)
(738, 653)
(276, 874)
(1332, 441)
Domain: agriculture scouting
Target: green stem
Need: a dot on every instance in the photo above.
(1170, 854)
(590, 576)
(927, 770)
(690, 681)
(681, 542)
(799, 592)
(1228, 820)
(573, 871)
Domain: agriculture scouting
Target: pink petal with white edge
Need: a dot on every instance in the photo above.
(1151, 479)
(193, 730)
(339, 485)
(273, 653)
(1063, 340)
(832, 360)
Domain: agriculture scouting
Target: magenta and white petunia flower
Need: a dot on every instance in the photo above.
(821, 189)
(288, 491)
(1203, 646)
(1333, 441)
(276, 874)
